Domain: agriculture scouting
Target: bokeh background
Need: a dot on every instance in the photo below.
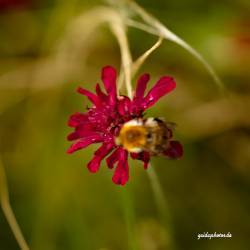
(57, 202)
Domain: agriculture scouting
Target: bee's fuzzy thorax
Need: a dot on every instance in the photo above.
(132, 136)
(149, 134)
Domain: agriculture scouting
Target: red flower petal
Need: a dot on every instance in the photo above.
(76, 119)
(100, 153)
(100, 94)
(109, 80)
(81, 132)
(124, 105)
(141, 87)
(114, 157)
(92, 97)
(143, 156)
(174, 150)
(121, 174)
(84, 142)
(163, 86)
(73, 136)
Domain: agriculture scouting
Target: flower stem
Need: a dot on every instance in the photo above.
(8, 212)
(129, 218)
(161, 202)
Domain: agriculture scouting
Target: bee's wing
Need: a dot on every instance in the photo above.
(171, 125)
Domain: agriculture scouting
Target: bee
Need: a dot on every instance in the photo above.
(149, 135)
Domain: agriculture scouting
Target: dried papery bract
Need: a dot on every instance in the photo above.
(56, 68)
(139, 62)
(118, 29)
(136, 65)
(151, 25)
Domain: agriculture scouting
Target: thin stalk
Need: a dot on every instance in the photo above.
(161, 202)
(8, 212)
(129, 218)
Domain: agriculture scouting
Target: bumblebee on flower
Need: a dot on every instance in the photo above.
(119, 124)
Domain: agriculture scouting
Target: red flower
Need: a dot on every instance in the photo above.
(103, 121)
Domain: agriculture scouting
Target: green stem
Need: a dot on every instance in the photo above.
(129, 215)
(161, 203)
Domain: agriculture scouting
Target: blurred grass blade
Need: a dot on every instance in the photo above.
(7, 210)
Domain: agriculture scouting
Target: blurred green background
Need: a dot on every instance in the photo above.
(57, 202)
